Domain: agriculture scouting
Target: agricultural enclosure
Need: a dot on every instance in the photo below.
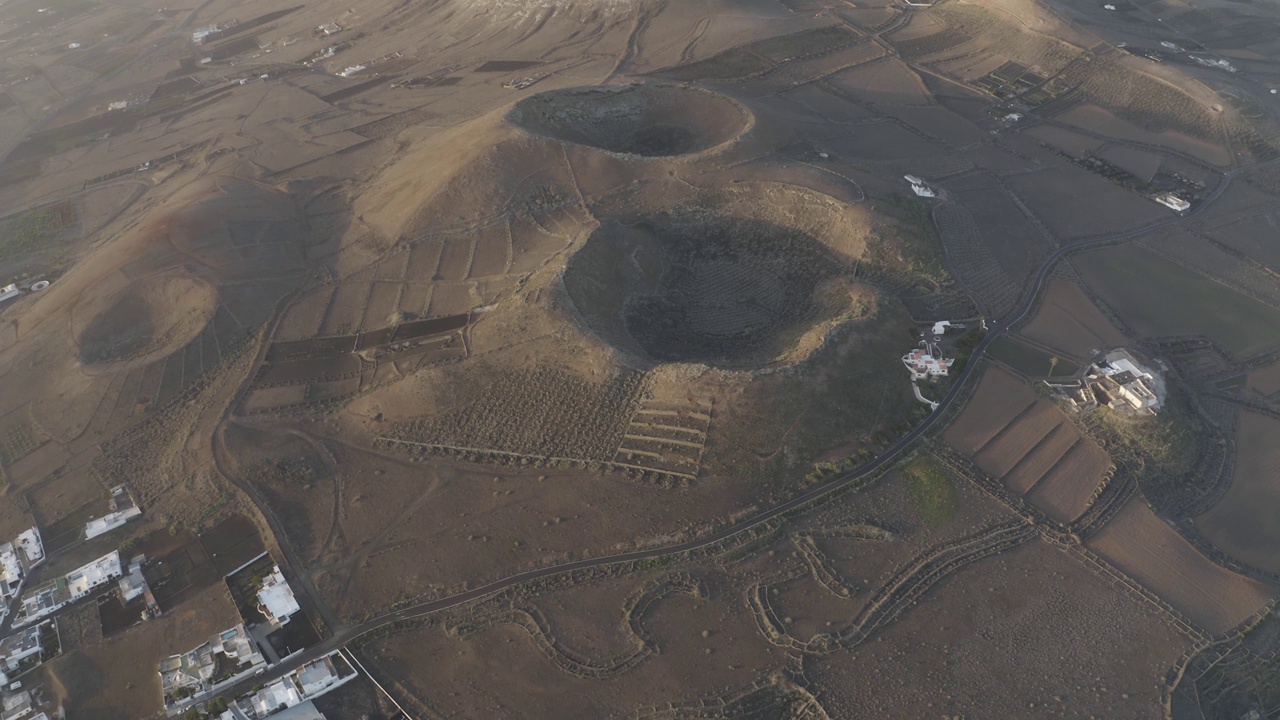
(1030, 446)
(1245, 522)
(1069, 321)
(1148, 549)
(1156, 296)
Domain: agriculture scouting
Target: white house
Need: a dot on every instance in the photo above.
(275, 599)
(926, 362)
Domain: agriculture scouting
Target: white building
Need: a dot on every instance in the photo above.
(17, 651)
(202, 33)
(122, 511)
(299, 687)
(109, 522)
(281, 693)
(133, 584)
(52, 596)
(1127, 382)
(275, 599)
(927, 361)
(10, 572)
(226, 658)
(1172, 202)
(919, 187)
(16, 560)
(97, 573)
(31, 546)
(940, 327)
(17, 706)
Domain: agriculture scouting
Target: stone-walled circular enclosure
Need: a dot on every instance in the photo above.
(646, 120)
(723, 284)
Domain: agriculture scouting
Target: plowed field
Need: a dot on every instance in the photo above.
(1153, 553)
(1069, 321)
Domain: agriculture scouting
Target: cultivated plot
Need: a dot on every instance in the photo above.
(1245, 521)
(1150, 550)
(1156, 296)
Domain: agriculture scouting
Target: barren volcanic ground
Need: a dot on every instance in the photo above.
(554, 351)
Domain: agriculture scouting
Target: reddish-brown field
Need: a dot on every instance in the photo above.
(1245, 522)
(1064, 491)
(1054, 447)
(1265, 381)
(1146, 548)
(998, 399)
(1069, 321)
(1025, 434)
(1036, 452)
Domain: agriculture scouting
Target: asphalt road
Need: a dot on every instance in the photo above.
(344, 635)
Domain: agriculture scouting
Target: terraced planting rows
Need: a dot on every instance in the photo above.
(666, 437)
(973, 263)
(550, 415)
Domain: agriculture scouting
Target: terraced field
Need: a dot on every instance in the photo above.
(1030, 446)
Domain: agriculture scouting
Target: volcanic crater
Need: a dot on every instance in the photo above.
(644, 120)
(716, 283)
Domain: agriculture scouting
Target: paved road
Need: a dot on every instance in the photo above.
(344, 635)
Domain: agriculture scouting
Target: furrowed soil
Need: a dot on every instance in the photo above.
(1149, 550)
(1068, 320)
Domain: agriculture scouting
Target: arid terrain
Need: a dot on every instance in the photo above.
(553, 351)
